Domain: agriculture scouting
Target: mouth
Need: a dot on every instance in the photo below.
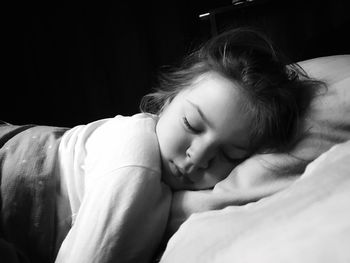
(180, 174)
(176, 171)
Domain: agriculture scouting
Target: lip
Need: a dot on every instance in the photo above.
(180, 171)
(180, 174)
(175, 170)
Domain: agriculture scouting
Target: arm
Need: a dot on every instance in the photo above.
(186, 203)
(122, 218)
(248, 182)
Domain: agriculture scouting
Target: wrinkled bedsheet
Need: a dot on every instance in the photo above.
(308, 222)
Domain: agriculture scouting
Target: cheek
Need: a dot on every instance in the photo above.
(171, 136)
(220, 170)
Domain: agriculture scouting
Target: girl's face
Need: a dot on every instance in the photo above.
(203, 133)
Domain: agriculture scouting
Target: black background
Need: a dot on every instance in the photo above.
(68, 63)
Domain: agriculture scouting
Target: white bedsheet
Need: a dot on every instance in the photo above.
(307, 222)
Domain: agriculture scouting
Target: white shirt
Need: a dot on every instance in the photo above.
(112, 200)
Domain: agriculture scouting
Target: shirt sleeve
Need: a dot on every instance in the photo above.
(122, 218)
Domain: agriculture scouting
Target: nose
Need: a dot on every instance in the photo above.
(199, 157)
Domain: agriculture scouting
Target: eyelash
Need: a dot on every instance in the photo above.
(233, 160)
(188, 125)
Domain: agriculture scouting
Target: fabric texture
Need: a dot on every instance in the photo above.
(308, 222)
(28, 182)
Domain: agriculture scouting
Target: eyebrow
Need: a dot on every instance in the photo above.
(200, 112)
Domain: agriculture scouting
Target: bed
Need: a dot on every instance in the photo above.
(297, 212)
(271, 208)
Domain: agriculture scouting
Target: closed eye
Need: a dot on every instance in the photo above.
(189, 126)
(233, 160)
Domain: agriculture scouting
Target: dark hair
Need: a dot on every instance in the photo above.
(277, 92)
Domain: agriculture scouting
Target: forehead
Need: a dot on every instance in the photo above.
(214, 86)
(221, 102)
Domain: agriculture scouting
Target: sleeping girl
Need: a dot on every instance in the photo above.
(102, 192)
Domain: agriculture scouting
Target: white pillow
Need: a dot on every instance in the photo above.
(327, 123)
(308, 222)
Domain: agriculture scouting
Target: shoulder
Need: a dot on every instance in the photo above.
(143, 123)
(121, 127)
(127, 140)
(142, 141)
(134, 131)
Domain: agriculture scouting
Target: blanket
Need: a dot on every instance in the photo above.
(27, 159)
(308, 222)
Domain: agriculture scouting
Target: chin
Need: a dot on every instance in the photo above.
(172, 182)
